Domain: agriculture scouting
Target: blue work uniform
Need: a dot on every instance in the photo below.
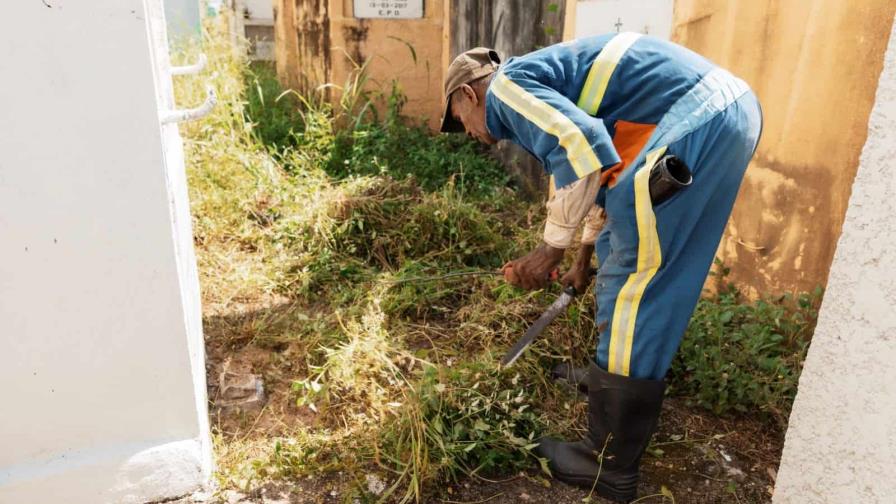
(615, 104)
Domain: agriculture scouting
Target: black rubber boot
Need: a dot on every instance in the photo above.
(622, 414)
(574, 377)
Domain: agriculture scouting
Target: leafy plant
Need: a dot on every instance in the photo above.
(401, 149)
(745, 356)
(470, 419)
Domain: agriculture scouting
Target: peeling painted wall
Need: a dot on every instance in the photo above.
(841, 444)
(320, 41)
(302, 43)
(814, 65)
(286, 43)
(410, 51)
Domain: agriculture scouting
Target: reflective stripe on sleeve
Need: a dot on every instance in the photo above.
(602, 69)
(581, 156)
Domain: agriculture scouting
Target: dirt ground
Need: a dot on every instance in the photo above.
(695, 457)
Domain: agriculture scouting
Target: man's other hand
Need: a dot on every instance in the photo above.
(579, 274)
(533, 271)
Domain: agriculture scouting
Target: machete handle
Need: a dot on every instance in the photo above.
(571, 290)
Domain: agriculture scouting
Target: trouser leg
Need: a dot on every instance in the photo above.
(658, 257)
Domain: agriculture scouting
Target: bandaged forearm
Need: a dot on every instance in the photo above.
(566, 209)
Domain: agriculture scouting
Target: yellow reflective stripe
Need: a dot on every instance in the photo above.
(602, 69)
(550, 120)
(625, 313)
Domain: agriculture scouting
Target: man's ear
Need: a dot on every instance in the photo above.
(470, 93)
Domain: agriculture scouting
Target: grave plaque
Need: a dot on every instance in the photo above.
(389, 9)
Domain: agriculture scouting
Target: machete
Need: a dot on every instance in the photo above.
(535, 329)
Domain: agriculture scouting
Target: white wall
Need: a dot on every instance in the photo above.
(595, 17)
(102, 361)
(841, 444)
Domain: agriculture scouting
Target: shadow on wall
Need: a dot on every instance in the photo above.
(805, 61)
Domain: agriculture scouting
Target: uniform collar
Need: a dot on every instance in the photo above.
(492, 121)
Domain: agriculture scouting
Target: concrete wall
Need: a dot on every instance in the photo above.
(814, 65)
(99, 302)
(286, 42)
(841, 444)
(502, 25)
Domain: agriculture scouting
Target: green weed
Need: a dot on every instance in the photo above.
(464, 420)
(275, 114)
(745, 356)
(364, 145)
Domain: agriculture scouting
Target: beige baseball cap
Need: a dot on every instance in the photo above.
(466, 67)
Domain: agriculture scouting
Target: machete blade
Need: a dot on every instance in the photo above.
(537, 328)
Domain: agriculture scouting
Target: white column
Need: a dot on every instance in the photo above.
(841, 444)
(102, 355)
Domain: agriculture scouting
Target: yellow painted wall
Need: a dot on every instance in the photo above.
(320, 41)
(385, 43)
(285, 42)
(814, 65)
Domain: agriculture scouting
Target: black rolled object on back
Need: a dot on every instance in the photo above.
(668, 176)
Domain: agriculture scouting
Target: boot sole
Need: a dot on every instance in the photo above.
(601, 489)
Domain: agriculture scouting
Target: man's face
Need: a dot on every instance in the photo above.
(469, 109)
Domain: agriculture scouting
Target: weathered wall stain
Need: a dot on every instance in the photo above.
(302, 42)
(355, 36)
(815, 66)
(320, 41)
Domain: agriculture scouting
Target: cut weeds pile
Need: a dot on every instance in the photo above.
(307, 217)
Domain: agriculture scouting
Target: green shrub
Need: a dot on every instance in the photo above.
(365, 145)
(275, 114)
(402, 151)
(745, 356)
